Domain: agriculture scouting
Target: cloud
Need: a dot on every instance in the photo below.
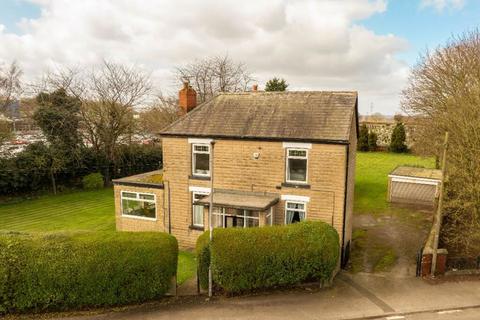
(315, 45)
(440, 5)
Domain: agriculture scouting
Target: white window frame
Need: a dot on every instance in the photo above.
(287, 166)
(224, 216)
(154, 201)
(194, 159)
(193, 208)
(296, 202)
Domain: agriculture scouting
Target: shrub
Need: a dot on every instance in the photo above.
(363, 139)
(92, 181)
(372, 141)
(256, 258)
(61, 271)
(203, 259)
(397, 143)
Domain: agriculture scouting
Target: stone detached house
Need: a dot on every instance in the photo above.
(275, 158)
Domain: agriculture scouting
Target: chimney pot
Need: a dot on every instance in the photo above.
(255, 87)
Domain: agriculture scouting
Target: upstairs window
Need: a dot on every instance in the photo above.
(297, 165)
(294, 212)
(201, 160)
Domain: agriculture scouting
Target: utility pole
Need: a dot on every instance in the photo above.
(439, 216)
(210, 224)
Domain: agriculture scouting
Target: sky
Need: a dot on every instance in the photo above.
(364, 45)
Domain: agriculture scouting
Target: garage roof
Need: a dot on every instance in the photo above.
(415, 172)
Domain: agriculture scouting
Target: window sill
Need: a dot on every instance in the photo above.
(295, 185)
(138, 217)
(198, 228)
(199, 178)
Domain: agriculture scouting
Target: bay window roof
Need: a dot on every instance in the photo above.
(259, 201)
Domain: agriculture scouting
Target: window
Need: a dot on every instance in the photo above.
(201, 160)
(295, 211)
(297, 165)
(138, 205)
(236, 218)
(197, 210)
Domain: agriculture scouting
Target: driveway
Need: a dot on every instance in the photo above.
(388, 242)
(351, 297)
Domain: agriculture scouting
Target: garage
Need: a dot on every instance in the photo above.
(414, 185)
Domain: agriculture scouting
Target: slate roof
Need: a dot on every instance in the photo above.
(303, 115)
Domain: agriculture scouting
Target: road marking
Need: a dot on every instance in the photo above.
(449, 311)
(395, 317)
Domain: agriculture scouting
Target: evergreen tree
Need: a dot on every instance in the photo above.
(397, 143)
(372, 141)
(276, 84)
(57, 116)
(363, 139)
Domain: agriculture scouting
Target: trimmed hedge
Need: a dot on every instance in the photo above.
(61, 271)
(257, 258)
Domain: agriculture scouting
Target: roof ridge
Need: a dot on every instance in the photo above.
(288, 92)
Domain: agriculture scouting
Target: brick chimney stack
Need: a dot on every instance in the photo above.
(187, 98)
(255, 87)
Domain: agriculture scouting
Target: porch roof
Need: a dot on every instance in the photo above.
(259, 201)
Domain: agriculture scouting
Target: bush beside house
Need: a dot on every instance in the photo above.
(61, 271)
(92, 181)
(259, 258)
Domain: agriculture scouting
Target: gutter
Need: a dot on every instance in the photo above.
(254, 138)
(138, 184)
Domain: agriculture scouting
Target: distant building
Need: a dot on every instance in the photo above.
(383, 126)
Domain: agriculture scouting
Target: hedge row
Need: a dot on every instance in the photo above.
(255, 258)
(62, 271)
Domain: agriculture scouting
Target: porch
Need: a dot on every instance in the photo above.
(240, 209)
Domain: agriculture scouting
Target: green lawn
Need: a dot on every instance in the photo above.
(371, 177)
(74, 211)
(81, 210)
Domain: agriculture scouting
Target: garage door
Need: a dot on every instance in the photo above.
(413, 192)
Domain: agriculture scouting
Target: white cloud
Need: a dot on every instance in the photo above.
(440, 5)
(313, 44)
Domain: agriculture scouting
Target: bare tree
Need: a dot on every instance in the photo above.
(444, 95)
(163, 112)
(10, 84)
(107, 108)
(214, 74)
(108, 94)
